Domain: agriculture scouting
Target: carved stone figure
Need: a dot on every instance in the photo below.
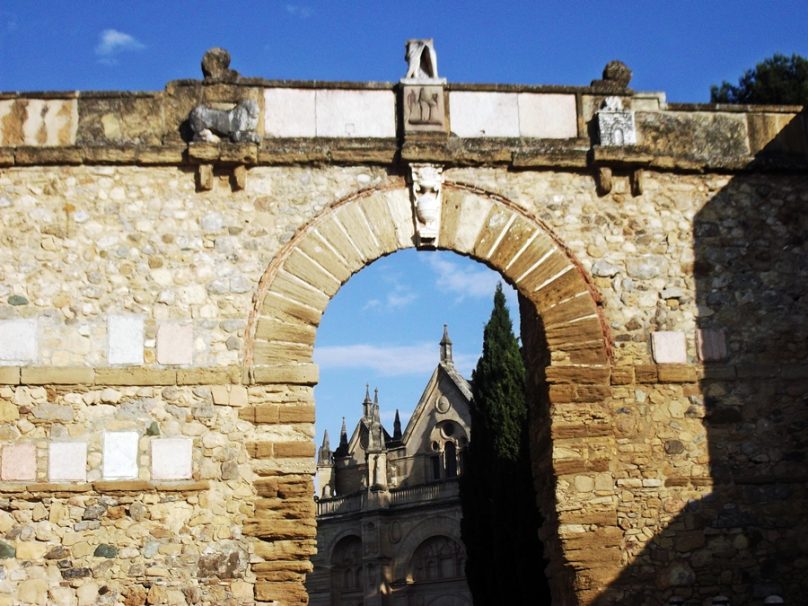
(423, 105)
(425, 192)
(216, 66)
(238, 124)
(422, 62)
(616, 76)
(616, 125)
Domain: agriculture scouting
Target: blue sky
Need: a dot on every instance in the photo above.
(384, 325)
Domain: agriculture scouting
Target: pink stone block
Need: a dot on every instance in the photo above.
(19, 462)
(712, 344)
(669, 347)
(67, 462)
(175, 343)
(171, 458)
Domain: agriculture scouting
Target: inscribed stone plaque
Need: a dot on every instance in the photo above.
(712, 344)
(669, 347)
(125, 339)
(19, 462)
(547, 116)
(423, 108)
(120, 455)
(175, 343)
(289, 112)
(171, 458)
(67, 462)
(18, 341)
(355, 113)
(484, 114)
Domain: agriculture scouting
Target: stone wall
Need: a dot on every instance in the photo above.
(159, 301)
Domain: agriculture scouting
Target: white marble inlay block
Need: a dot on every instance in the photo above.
(19, 462)
(18, 341)
(175, 343)
(289, 112)
(356, 113)
(125, 339)
(171, 458)
(669, 347)
(484, 114)
(712, 344)
(547, 116)
(120, 455)
(67, 462)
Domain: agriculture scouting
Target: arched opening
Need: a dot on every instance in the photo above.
(346, 572)
(566, 342)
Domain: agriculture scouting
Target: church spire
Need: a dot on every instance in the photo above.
(343, 436)
(324, 454)
(397, 427)
(446, 347)
(367, 403)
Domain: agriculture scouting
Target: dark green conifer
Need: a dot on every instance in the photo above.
(500, 519)
(776, 80)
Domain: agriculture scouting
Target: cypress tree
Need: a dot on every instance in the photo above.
(500, 520)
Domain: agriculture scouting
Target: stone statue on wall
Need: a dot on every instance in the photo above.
(616, 125)
(425, 192)
(237, 125)
(422, 62)
(216, 66)
(616, 77)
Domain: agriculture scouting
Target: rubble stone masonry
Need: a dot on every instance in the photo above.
(159, 300)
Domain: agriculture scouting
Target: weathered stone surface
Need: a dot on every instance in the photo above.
(18, 462)
(67, 461)
(125, 339)
(115, 225)
(171, 458)
(18, 341)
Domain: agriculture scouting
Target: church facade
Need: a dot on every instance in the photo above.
(388, 508)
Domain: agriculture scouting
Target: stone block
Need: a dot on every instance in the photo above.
(355, 113)
(547, 116)
(135, 376)
(711, 344)
(18, 462)
(175, 343)
(423, 108)
(67, 462)
(289, 112)
(9, 375)
(30, 375)
(38, 122)
(484, 114)
(669, 347)
(298, 374)
(125, 339)
(120, 455)
(171, 458)
(18, 341)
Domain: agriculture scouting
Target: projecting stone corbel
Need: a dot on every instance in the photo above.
(603, 180)
(239, 176)
(636, 181)
(204, 177)
(426, 183)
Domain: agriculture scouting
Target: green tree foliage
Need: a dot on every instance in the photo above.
(500, 519)
(776, 80)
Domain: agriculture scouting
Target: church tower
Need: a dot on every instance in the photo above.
(325, 468)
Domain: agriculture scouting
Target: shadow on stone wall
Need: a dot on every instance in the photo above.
(748, 538)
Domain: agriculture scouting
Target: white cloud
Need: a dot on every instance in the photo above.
(397, 297)
(475, 282)
(112, 42)
(394, 360)
(298, 10)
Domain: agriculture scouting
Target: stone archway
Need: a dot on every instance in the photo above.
(357, 230)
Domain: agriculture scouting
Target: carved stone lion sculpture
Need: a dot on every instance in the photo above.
(238, 124)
